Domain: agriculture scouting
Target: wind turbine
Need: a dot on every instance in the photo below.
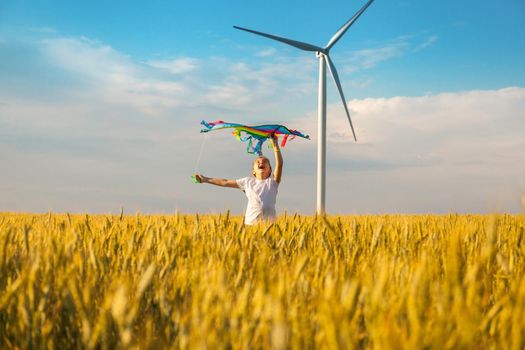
(324, 59)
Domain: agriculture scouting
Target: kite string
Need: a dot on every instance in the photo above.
(197, 163)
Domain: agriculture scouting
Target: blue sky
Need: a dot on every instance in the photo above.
(100, 104)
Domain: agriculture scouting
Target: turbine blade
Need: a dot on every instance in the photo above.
(294, 43)
(347, 25)
(335, 76)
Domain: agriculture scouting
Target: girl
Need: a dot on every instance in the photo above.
(261, 189)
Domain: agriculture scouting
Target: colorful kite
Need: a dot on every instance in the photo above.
(254, 135)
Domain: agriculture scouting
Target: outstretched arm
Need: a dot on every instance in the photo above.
(217, 182)
(277, 173)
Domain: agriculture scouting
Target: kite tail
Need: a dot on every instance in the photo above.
(249, 145)
(253, 142)
(258, 147)
(283, 142)
(254, 145)
(287, 137)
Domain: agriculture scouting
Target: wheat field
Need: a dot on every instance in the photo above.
(189, 281)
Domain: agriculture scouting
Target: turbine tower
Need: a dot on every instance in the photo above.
(324, 59)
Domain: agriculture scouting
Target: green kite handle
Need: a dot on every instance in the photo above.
(194, 178)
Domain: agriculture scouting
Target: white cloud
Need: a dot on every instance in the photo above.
(478, 119)
(159, 86)
(428, 42)
(176, 66)
(266, 52)
(370, 57)
(464, 149)
(113, 76)
(246, 86)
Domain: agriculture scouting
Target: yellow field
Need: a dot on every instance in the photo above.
(184, 281)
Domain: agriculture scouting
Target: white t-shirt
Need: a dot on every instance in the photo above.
(261, 196)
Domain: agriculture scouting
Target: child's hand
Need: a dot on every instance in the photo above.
(275, 139)
(200, 178)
